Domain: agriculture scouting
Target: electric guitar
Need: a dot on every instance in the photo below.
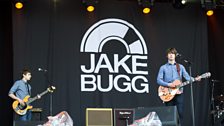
(21, 110)
(167, 93)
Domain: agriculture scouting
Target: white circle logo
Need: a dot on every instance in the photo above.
(112, 29)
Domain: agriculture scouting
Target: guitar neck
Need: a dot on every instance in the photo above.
(187, 82)
(36, 97)
(205, 75)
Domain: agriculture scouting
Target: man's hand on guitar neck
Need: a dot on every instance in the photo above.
(198, 78)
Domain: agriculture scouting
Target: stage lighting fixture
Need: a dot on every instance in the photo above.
(209, 6)
(183, 1)
(90, 8)
(146, 5)
(209, 12)
(19, 5)
(179, 4)
(90, 4)
(220, 4)
(146, 10)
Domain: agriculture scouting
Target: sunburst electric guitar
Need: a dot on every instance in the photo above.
(21, 110)
(167, 93)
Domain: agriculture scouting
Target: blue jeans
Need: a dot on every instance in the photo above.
(178, 101)
(26, 117)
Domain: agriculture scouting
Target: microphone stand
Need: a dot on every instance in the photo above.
(191, 89)
(125, 119)
(212, 100)
(192, 95)
(50, 98)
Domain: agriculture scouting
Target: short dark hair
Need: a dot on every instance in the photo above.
(25, 71)
(171, 50)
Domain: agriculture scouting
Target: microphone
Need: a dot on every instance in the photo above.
(213, 80)
(178, 55)
(42, 70)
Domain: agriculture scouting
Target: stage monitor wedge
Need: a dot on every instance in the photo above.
(167, 114)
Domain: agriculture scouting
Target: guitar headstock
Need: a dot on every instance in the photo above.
(51, 89)
(206, 75)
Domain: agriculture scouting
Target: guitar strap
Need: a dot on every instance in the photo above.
(178, 69)
(28, 89)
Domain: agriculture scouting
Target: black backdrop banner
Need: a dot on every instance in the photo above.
(6, 63)
(109, 58)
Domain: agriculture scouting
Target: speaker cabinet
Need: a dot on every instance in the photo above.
(27, 123)
(167, 114)
(123, 116)
(36, 115)
(99, 117)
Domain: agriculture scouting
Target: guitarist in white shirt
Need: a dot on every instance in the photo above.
(170, 72)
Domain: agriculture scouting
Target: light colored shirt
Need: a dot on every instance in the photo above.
(168, 73)
(21, 89)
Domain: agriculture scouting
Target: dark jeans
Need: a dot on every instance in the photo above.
(178, 101)
(26, 117)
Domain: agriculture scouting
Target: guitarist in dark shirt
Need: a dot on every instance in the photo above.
(21, 89)
(170, 72)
